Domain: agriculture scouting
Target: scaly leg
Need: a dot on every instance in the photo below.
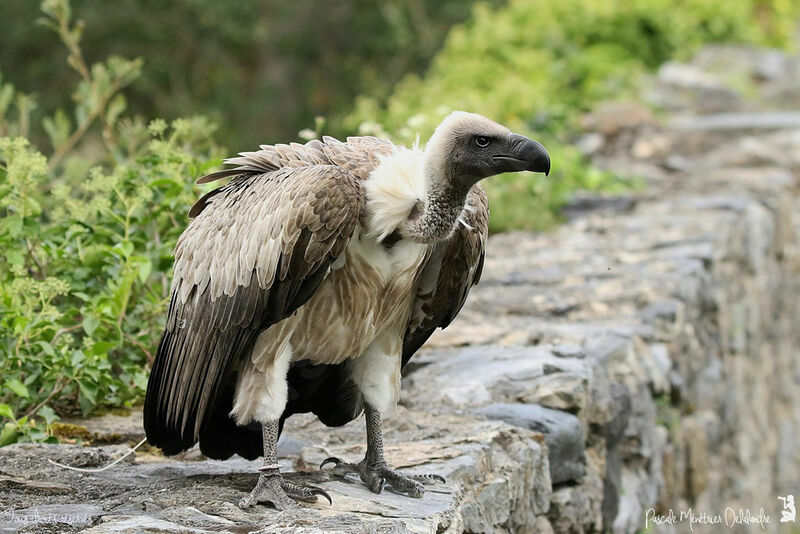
(271, 487)
(373, 469)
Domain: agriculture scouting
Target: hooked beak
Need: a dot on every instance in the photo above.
(525, 155)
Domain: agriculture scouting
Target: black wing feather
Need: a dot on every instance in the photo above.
(457, 267)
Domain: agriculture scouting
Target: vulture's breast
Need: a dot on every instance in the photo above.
(367, 294)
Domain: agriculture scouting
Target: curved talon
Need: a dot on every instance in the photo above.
(378, 476)
(323, 493)
(331, 460)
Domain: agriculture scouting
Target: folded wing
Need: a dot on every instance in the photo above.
(454, 267)
(256, 250)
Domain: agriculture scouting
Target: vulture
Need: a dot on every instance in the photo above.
(308, 281)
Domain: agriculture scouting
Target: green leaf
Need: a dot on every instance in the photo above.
(46, 347)
(14, 225)
(9, 434)
(6, 95)
(140, 380)
(89, 391)
(18, 388)
(164, 182)
(48, 414)
(92, 373)
(126, 247)
(36, 435)
(102, 347)
(145, 268)
(15, 257)
(78, 357)
(85, 405)
(90, 324)
(6, 411)
(58, 128)
(115, 109)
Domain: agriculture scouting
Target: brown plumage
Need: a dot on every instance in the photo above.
(309, 280)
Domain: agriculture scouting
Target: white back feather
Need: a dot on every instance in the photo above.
(393, 189)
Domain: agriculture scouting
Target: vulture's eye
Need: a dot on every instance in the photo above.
(482, 142)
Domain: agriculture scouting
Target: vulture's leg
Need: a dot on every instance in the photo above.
(271, 487)
(373, 469)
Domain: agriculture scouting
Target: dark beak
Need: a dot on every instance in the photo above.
(525, 155)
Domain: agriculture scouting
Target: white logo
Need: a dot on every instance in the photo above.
(789, 512)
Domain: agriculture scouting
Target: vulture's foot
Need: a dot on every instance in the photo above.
(376, 476)
(271, 487)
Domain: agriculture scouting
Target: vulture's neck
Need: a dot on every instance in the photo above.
(436, 216)
(413, 194)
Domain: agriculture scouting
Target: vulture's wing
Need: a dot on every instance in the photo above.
(257, 249)
(359, 155)
(453, 268)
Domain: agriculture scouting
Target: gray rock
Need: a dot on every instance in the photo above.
(164, 495)
(666, 316)
(613, 432)
(581, 204)
(49, 517)
(590, 143)
(772, 66)
(571, 512)
(685, 86)
(141, 523)
(764, 120)
(566, 350)
(289, 446)
(607, 346)
(688, 77)
(542, 526)
(611, 118)
(562, 431)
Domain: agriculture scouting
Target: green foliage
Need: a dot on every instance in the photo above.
(86, 234)
(263, 68)
(536, 66)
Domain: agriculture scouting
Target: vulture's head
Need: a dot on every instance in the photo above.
(467, 147)
(464, 149)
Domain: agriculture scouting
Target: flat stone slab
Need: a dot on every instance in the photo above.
(481, 460)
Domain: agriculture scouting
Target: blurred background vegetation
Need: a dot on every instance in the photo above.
(262, 69)
(109, 110)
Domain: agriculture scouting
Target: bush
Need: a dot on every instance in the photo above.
(536, 66)
(263, 68)
(86, 233)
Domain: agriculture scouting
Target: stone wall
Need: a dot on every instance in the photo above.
(668, 322)
(644, 355)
